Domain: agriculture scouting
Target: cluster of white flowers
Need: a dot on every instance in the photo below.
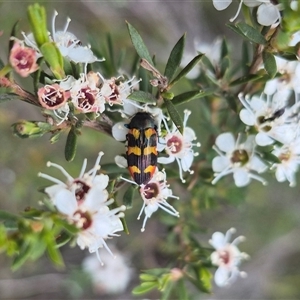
(276, 124)
(88, 93)
(84, 202)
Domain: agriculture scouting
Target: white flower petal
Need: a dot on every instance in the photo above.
(263, 139)
(267, 14)
(225, 142)
(121, 161)
(247, 117)
(220, 163)
(189, 134)
(65, 202)
(101, 181)
(221, 276)
(119, 131)
(166, 160)
(258, 165)
(241, 177)
(187, 161)
(221, 4)
(217, 240)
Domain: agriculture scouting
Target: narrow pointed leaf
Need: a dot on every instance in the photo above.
(138, 43)
(174, 115)
(191, 95)
(129, 195)
(24, 254)
(248, 32)
(245, 79)
(175, 58)
(186, 69)
(71, 145)
(251, 33)
(13, 34)
(224, 48)
(269, 63)
(144, 288)
(141, 96)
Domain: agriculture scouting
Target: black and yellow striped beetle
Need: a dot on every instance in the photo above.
(142, 147)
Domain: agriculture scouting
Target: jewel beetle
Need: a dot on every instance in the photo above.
(142, 147)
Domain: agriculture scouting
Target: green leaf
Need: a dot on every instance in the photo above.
(147, 277)
(224, 65)
(248, 32)
(191, 95)
(175, 58)
(55, 137)
(245, 62)
(24, 254)
(71, 145)
(13, 34)
(174, 115)
(53, 251)
(144, 288)
(224, 48)
(246, 79)
(143, 97)
(129, 196)
(269, 63)
(54, 58)
(205, 278)
(38, 22)
(6, 216)
(251, 33)
(138, 43)
(205, 61)
(186, 69)
(270, 157)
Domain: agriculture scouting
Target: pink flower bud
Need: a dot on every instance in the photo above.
(23, 59)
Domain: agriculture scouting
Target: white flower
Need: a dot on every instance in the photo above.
(288, 81)
(179, 146)
(71, 47)
(270, 118)
(103, 276)
(227, 257)
(237, 158)
(289, 155)
(267, 13)
(84, 202)
(154, 194)
(67, 43)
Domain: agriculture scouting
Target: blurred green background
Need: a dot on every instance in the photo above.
(269, 216)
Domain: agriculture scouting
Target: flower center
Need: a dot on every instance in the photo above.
(151, 190)
(81, 190)
(86, 98)
(83, 219)
(174, 144)
(224, 257)
(22, 59)
(239, 157)
(285, 156)
(53, 96)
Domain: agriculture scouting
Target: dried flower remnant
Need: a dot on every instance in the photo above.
(52, 96)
